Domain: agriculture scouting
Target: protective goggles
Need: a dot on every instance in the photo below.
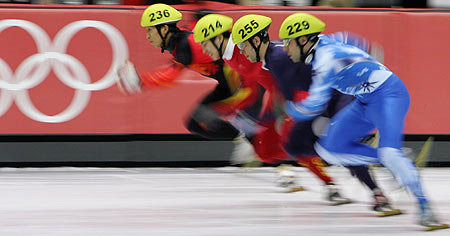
(286, 41)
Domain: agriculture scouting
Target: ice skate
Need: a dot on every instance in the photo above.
(243, 153)
(428, 219)
(334, 197)
(287, 179)
(382, 206)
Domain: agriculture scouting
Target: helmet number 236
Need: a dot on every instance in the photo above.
(158, 15)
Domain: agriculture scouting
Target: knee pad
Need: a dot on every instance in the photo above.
(319, 125)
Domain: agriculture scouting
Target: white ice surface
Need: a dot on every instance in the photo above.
(201, 202)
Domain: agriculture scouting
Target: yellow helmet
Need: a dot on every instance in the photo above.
(300, 24)
(211, 26)
(248, 26)
(158, 14)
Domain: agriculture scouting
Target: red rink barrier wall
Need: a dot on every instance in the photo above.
(57, 63)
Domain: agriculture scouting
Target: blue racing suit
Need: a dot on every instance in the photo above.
(294, 80)
(382, 102)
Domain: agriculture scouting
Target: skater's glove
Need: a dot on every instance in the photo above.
(128, 79)
(377, 51)
(373, 48)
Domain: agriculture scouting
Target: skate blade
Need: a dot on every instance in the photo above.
(393, 212)
(252, 164)
(338, 203)
(436, 227)
(295, 189)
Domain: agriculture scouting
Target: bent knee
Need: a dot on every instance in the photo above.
(334, 145)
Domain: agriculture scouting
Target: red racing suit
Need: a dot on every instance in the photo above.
(189, 54)
(268, 142)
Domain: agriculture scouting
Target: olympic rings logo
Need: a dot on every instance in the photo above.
(52, 55)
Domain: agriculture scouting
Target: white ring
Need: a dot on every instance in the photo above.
(79, 102)
(6, 98)
(118, 43)
(43, 45)
(34, 69)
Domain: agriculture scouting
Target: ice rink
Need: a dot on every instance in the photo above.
(201, 201)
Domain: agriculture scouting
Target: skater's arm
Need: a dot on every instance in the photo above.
(162, 77)
(319, 93)
(351, 39)
(312, 106)
(247, 94)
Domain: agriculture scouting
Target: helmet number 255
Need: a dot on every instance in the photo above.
(248, 28)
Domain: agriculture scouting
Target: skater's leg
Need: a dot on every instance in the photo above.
(388, 116)
(209, 124)
(340, 145)
(362, 173)
(300, 144)
(388, 113)
(381, 205)
(315, 165)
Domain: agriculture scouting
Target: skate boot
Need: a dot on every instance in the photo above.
(243, 153)
(428, 219)
(334, 197)
(287, 179)
(382, 206)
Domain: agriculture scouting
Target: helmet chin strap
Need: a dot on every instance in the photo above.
(262, 34)
(258, 58)
(219, 49)
(309, 55)
(163, 43)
